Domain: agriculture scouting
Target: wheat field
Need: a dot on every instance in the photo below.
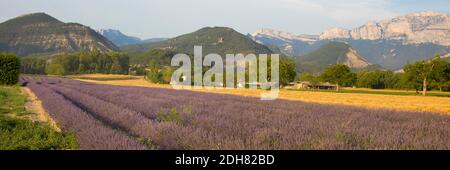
(440, 105)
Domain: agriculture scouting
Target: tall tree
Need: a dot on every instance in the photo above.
(441, 73)
(287, 70)
(424, 71)
(339, 74)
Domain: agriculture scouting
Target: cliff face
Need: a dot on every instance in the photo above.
(331, 54)
(41, 33)
(416, 28)
(354, 60)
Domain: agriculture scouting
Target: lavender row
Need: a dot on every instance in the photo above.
(90, 133)
(213, 121)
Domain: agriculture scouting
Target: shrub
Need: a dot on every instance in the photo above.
(9, 69)
(26, 135)
(172, 116)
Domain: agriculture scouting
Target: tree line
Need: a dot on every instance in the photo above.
(77, 63)
(422, 76)
(161, 72)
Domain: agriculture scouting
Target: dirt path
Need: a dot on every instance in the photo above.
(38, 113)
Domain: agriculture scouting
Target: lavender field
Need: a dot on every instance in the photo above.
(119, 117)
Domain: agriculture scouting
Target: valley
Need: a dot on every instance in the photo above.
(384, 85)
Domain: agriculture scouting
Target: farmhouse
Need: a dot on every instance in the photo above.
(309, 85)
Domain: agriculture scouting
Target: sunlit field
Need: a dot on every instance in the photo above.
(126, 117)
(374, 101)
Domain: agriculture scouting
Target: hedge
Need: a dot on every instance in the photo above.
(9, 69)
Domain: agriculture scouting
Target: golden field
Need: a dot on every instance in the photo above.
(373, 101)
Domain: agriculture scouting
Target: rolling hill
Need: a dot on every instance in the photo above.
(41, 33)
(221, 40)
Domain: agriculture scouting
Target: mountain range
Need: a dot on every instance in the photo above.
(390, 43)
(41, 33)
(121, 39)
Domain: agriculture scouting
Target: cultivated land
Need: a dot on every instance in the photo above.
(126, 117)
(375, 99)
(23, 125)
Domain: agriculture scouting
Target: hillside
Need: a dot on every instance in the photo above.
(219, 40)
(331, 54)
(41, 33)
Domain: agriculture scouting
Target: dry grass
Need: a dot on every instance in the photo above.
(34, 105)
(395, 102)
(392, 90)
(102, 76)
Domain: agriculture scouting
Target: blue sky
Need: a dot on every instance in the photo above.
(168, 18)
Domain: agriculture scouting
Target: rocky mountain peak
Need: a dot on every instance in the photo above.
(335, 33)
(415, 28)
(287, 36)
(274, 33)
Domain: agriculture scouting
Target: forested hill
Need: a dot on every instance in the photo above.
(221, 40)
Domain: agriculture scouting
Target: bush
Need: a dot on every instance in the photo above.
(9, 69)
(18, 134)
(172, 116)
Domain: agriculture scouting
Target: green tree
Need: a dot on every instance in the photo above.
(154, 72)
(287, 71)
(339, 74)
(374, 79)
(441, 73)
(55, 69)
(166, 76)
(33, 65)
(85, 61)
(422, 71)
(9, 69)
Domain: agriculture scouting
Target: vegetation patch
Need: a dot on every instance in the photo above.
(171, 116)
(9, 69)
(19, 133)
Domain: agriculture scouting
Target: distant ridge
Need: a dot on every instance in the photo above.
(120, 39)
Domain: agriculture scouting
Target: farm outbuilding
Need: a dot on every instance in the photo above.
(309, 85)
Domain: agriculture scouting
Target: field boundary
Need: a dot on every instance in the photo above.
(438, 105)
(35, 107)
